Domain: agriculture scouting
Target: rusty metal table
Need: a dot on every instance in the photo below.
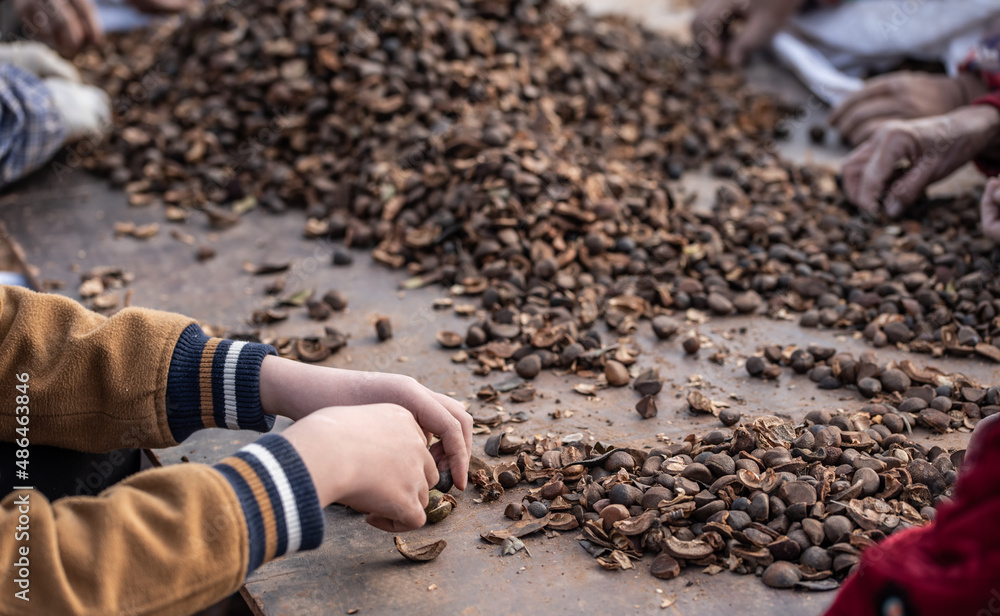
(69, 223)
(357, 566)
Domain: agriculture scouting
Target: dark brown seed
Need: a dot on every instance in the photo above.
(720, 464)
(691, 345)
(773, 371)
(720, 304)
(619, 460)
(318, 310)
(475, 337)
(665, 327)
(342, 257)
(837, 528)
(912, 405)
(781, 574)
(793, 492)
(546, 268)
(817, 558)
(869, 387)
(335, 300)
(648, 383)
(894, 380)
(444, 483)
(383, 328)
(894, 422)
(755, 365)
(869, 481)
(802, 362)
(748, 302)
(528, 366)
(809, 318)
(624, 494)
(538, 509)
(941, 403)
(205, 253)
(729, 416)
(897, 332)
(926, 473)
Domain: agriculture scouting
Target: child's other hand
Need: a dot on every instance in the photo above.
(372, 458)
(295, 390)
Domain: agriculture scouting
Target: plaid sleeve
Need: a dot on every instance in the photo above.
(215, 382)
(31, 129)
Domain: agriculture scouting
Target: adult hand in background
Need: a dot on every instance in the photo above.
(902, 95)
(373, 459)
(763, 19)
(295, 390)
(84, 109)
(69, 25)
(989, 211)
(928, 149)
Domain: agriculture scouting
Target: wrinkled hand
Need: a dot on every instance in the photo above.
(763, 20)
(933, 147)
(989, 210)
(373, 459)
(902, 95)
(38, 59)
(295, 390)
(69, 25)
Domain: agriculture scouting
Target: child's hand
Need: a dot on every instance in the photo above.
(295, 390)
(372, 458)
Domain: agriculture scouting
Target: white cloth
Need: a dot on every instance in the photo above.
(829, 48)
(118, 16)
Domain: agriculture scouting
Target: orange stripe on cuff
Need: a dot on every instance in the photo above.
(205, 383)
(263, 501)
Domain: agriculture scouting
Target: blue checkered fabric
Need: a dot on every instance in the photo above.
(31, 130)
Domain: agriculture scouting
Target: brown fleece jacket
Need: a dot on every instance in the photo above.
(164, 541)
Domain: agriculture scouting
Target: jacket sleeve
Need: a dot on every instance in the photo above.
(140, 378)
(168, 541)
(31, 129)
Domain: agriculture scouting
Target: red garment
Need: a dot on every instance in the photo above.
(950, 567)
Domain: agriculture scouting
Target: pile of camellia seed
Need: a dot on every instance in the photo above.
(796, 505)
(525, 154)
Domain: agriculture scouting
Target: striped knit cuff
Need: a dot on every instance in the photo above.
(278, 497)
(215, 383)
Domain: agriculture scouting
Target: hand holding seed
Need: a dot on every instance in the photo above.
(295, 390)
(928, 148)
(373, 459)
(763, 19)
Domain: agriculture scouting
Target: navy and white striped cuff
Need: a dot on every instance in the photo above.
(279, 500)
(215, 382)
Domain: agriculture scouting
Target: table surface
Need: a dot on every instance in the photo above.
(69, 223)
